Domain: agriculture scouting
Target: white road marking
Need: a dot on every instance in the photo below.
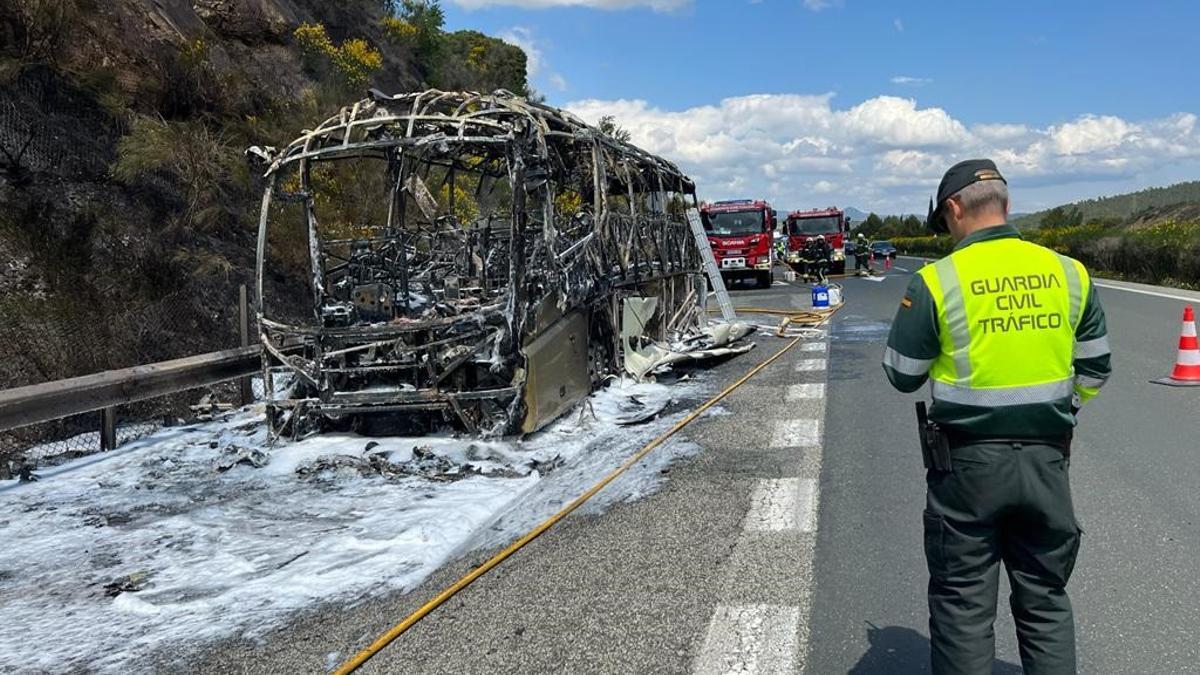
(750, 639)
(1157, 294)
(773, 506)
(782, 504)
(765, 638)
(902, 269)
(796, 433)
(875, 279)
(799, 392)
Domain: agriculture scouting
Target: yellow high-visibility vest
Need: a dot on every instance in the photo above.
(1007, 311)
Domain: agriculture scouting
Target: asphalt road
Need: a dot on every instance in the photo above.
(791, 541)
(1135, 471)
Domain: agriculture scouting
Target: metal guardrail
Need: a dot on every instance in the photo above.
(47, 401)
(104, 391)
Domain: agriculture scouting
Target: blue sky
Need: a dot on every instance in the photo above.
(810, 102)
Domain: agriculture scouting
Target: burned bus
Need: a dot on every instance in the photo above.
(468, 259)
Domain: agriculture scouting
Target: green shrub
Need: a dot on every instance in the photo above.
(478, 62)
(44, 28)
(208, 172)
(1166, 253)
(930, 246)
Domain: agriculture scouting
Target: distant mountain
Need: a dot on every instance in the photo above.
(855, 215)
(1121, 207)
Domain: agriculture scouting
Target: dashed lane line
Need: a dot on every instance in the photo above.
(782, 504)
(771, 638)
(750, 639)
(800, 392)
(796, 433)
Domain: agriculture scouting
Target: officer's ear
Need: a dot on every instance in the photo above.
(954, 211)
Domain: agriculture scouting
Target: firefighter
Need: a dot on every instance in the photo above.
(862, 256)
(824, 256)
(1013, 337)
(808, 259)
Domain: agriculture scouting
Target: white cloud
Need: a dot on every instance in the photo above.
(905, 79)
(818, 5)
(898, 24)
(885, 153)
(656, 5)
(1090, 134)
(1000, 132)
(558, 81)
(896, 122)
(521, 37)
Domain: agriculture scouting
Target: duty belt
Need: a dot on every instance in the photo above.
(959, 439)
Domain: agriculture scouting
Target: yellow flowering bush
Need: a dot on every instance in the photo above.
(356, 59)
(399, 30)
(353, 61)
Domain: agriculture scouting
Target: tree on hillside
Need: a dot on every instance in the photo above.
(912, 227)
(1060, 217)
(1120, 207)
(608, 124)
(472, 61)
(871, 225)
(426, 19)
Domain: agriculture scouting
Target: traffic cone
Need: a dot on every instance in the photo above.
(1187, 364)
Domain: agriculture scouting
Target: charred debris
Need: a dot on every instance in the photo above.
(490, 261)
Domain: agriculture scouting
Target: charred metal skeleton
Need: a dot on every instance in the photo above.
(483, 281)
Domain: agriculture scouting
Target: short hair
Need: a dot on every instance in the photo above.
(983, 195)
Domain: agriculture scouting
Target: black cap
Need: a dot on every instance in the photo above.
(958, 177)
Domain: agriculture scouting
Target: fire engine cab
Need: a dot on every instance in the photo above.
(830, 223)
(741, 234)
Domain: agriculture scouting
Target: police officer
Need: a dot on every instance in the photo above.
(1013, 337)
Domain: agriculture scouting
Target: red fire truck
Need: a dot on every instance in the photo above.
(831, 223)
(741, 234)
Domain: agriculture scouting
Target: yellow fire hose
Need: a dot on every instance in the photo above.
(353, 664)
(810, 317)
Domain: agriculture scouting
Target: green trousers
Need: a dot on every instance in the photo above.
(1007, 502)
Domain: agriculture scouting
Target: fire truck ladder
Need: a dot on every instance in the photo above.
(710, 265)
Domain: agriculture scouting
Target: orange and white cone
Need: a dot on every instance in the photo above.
(1187, 364)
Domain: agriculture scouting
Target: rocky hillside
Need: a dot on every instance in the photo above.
(127, 206)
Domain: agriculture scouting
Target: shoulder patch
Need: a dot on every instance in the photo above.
(906, 302)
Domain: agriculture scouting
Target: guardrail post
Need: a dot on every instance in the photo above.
(244, 384)
(108, 428)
